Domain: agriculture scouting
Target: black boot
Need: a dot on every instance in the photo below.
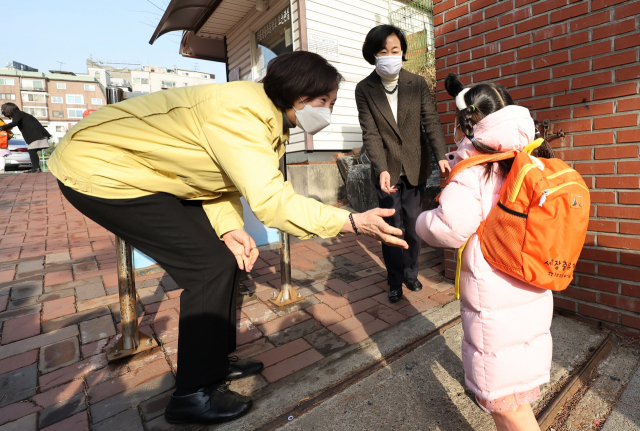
(211, 405)
(413, 284)
(241, 368)
(395, 293)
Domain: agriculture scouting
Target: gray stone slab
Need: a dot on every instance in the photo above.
(18, 385)
(154, 407)
(58, 257)
(626, 413)
(27, 423)
(30, 266)
(132, 397)
(24, 302)
(312, 290)
(59, 355)
(90, 291)
(4, 287)
(325, 341)
(73, 284)
(169, 283)
(62, 410)
(25, 290)
(37, 341)
(74, 319)
(293, 333)
(97, 329)
(128, 420)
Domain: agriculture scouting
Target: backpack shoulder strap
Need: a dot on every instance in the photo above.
(480, 159)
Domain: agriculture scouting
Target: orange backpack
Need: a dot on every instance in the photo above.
(536, 231)
(5, 136)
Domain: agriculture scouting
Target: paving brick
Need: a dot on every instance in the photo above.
(20, 328)
(58, 308)
(6, 275)
(59, 394)
(72, 372)
(259, 313)
(56, 295)
(284, 322)
(16, 411)
(294, 332)
(57, 257)
(4, 300)
(167, 330)
(129, 420)
(152, 294)
(109, 372)
(417, 296)
(351, 323)
(363, 293)
(129, 380)
(29, 266)
(77, 422)
(37, 341)
(90, 291)
(160, 306)
(283, 352)
(54, 278)
(27, 423)
(59, 355)
(249, 386)
(357, 307)
(443, 297)
(98, 347)
(324, 314)
(339, 286)
(364, 332)
(98, 302)
(332, 299)
(62, 410)
(291, 365)
(368, 281)
(246, 332)
(74, 319)
(72, 284)
(18, 385)
(124, 400)
(27, 289)
(418, 307)
(154, 407)
(325, 341)
(18, 361)
(84, 267)
(387, 314)
(96, 329)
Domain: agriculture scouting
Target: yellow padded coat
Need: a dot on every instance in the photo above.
(213, 143)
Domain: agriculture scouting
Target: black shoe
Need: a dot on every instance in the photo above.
(31, 171)
(395, 293)
(211, 405)
(413, 284)
(241, 368)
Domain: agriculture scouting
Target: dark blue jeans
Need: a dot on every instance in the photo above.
(407, 202)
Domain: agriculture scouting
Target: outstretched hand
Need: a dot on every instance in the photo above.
(444, 166)
(371, 223)
(243, 248)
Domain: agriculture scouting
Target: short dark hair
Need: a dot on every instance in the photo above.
(377, 39)
(299, 73)
(8, 109)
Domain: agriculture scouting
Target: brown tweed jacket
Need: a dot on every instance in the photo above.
(391, 146)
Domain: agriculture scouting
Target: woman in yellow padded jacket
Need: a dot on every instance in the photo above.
(165, 172)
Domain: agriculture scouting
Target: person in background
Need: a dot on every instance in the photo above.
(34, 134)
(395, 110)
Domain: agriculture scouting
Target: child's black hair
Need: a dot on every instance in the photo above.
(483, 100)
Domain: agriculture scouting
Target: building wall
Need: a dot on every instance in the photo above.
(72, 88)
(577, 65)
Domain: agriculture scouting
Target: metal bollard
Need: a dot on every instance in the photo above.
(288, 294)
(132, 340)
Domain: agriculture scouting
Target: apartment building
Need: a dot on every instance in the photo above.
(57, 99)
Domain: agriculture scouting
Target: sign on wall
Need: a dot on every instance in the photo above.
(325, 46)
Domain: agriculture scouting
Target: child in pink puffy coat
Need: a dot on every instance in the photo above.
(507, 346)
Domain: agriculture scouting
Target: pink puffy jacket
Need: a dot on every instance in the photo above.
(507, 344)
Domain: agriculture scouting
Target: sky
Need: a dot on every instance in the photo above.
(42, 33)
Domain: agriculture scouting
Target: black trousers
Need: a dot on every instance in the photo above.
(35, 160)
(407, 202)
(178, 235)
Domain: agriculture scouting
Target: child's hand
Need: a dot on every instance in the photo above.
(444, 166)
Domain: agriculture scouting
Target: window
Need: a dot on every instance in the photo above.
(61, 86)
(205, 76)
(7, 81)
(57, 99)
(36, 112)
(60, 129)
(168, 84)
(141, 80)
(75, 113)
(33, 98)
(31, 84)
(273, 39)
(89, 87)
(96, 101)
(97, 75)
(58, 114)
(75, 99)
(7, 96)
(186, 84)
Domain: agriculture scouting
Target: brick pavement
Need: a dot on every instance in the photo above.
(59, 314)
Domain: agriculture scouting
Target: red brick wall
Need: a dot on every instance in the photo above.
(575, 63)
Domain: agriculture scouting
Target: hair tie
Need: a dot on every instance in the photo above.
(473, 140)
(471, 106)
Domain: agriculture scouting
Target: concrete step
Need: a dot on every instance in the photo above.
(424, 390)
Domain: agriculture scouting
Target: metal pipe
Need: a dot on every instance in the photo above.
(127, 293)
(285, 250)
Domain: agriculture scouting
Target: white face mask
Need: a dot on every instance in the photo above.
(454, 136)
(312, 119)
(389, 65)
